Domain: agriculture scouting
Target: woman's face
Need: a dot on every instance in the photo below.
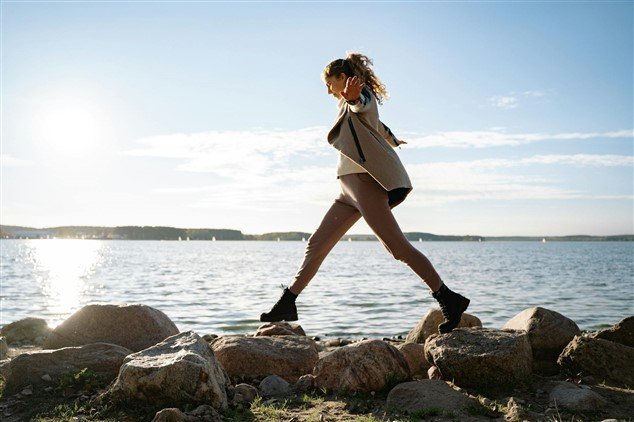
(336, 84)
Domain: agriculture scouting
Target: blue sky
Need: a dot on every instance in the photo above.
(518, 115)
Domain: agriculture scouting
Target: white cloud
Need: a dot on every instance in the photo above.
(491, 138)
(9, 161)
(272, 170)
(512, 99)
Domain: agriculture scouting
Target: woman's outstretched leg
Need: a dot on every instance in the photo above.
(374, 207)
(337, 221)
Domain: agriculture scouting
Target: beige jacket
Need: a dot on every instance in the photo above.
(359, 135)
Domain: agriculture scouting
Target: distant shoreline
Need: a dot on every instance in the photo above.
(176, 234)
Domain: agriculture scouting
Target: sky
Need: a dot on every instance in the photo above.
(518, 115)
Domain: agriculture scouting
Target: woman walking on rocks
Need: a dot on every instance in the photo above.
(373, 181)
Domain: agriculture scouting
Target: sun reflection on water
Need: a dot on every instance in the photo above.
(63, 266)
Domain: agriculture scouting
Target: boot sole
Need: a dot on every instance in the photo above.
(278, 318)
(454, 324)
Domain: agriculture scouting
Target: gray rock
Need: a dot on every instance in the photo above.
(622, 332)
(369, 365)
(417, 395)
(480, 357)
(414, 354)
(27, 330)
(576, 399)
(548, 332)
(244, 394)
(180, 370)
(102, 359)
(273, 386)
(253, 357)
(135, 327)
(603, 359)
(279, 329)
(428, 325)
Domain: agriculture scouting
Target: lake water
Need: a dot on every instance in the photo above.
(360, 290)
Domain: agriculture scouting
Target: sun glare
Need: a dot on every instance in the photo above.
(71, 129)
(63, 265)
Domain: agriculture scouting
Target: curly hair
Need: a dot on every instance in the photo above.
(357, 64)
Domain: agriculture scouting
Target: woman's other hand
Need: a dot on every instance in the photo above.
(352, 91)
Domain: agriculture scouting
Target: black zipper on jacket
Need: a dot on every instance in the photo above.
(356, 139)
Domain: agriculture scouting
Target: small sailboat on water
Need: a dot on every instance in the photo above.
(543, 240)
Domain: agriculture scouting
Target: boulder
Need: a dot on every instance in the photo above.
(279, 329)
(603, 359)
(575, 398)
(369, 365)
(27, 330)
(622, 332)
(428, 325)
(254, 357)
(548, 331)
(273, 386)
(480, 357)
(180, 370)
(414, 354)
(102, 359)
(418, 395)
(135, 327)
(203, 413)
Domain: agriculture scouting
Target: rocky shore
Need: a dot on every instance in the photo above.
(110, 362)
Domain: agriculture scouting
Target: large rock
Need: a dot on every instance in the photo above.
(102, 359)
(369, 365)
(548, 331)
(480, 357)
(180, 370)
(576, 398)
(603, 359)
(414, 354)
(428, 325)
(255, 357)
(418, 395)
(279, 329)
(135, 327)
(622, 332)
(27, 330)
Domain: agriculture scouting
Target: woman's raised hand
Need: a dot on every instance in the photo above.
(352, 91)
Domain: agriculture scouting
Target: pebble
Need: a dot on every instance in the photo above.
(46, 377)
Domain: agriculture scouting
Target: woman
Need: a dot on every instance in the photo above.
(373, 181)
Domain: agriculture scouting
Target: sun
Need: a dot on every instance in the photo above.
(72, 130)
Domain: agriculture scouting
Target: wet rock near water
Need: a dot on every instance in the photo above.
(279, 329)
(428, 325)
(414, 354)
(548, 333)
(135, 327)
(26, 331)
(600, 358)
(47, 366)
(622, 332)
(253, 357)
(180, 370)
(370, 365)
(478, 357)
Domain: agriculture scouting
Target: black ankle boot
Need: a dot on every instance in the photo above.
(452, 306)
(283, 310)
